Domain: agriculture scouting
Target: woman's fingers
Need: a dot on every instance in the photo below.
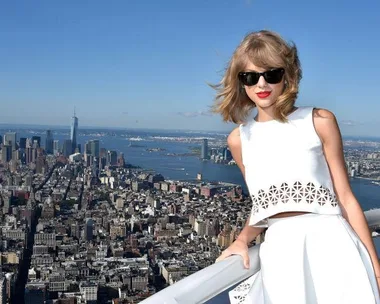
(245, 257)
(226, 253)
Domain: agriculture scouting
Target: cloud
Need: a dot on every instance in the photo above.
(350, 123)
(195, 114)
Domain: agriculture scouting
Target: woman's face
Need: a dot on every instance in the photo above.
(263, 94)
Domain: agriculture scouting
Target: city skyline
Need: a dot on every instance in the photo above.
(74, 132)
(120, 72)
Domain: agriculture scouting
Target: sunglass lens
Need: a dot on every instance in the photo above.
(250, 79)
(274, 76)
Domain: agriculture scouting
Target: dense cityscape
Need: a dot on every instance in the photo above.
(83, 225)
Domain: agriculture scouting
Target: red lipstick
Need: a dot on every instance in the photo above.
(264, 94)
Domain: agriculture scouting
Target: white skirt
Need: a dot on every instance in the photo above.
(310, 259)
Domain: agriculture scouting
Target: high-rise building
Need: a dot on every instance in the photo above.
(28, 155)
(10, 137)
(49, 142)
(204, 151)
(74, 132)
(102, 152)
(87, 148)
(88, 229)
(94, 147)
(67, 147)
(55, 146)
(6, 153)
(22, 143)
(121, 160)
(102, 163)
(111, 158)
(41, 166)
(36, 141)
(227, 154)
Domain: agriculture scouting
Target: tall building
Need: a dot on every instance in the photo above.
(67, 147)
(204, 151)
(88, 229)
(94, 148)
(74, 132)
(22, 143)
(10, 137)
(49, 142)
(111, 158)
(36, 141)
(227, 154)
(121, 160)
(6, 153)
(41, 166)
(55, 146)
(28, 155)
(87, 148)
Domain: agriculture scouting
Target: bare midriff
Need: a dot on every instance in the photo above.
(286, 214)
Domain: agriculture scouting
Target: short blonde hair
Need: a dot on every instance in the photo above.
(265, 49)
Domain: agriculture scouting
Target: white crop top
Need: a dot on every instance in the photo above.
(285, 167)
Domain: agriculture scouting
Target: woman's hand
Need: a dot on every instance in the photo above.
(238, 247)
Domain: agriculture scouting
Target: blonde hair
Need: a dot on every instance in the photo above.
(264, 49)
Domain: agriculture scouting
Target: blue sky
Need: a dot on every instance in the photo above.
(146, 64)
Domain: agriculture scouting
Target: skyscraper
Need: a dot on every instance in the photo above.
(74, 132)
(111, 158)
(67, 147)
(6, 153)
(36, 141)
(88, 229)
(10, 138)
(55, 146)
(49, 142)
(94, 147)
(22, 143)
(204, 152)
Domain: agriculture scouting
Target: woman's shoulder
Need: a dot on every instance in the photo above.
(321, 113)
(325, 122)
(233, 139)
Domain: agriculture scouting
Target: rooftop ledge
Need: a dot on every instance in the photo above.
(215, 280)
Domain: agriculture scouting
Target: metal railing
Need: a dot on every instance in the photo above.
(213, 280)
(208, 282)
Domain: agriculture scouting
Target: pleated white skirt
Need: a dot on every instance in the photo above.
(310, 259)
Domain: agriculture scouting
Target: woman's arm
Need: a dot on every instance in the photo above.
(249, 233)
(328, 130)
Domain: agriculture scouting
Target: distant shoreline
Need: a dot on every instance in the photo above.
(366, 178)
(4, 126)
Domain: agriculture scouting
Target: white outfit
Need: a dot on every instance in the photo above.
(312, 258)
(285, 168)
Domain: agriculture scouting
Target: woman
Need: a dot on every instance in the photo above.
(317, 248)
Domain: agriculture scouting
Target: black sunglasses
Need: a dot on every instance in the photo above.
(251, 78)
